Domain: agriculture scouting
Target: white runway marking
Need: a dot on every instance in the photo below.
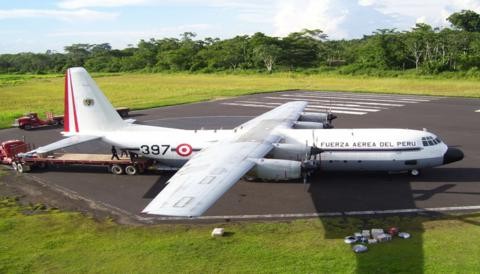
(324, 107)
(329, 214)
(332, 104)
(338, 102)
(352, 98)
(309, 109)
(346, 101)
(478, 110)
(390, 96)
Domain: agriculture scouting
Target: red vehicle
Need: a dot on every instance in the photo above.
(9, 149)
(31, 120)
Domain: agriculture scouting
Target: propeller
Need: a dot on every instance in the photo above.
(330, 115)
(310, 164)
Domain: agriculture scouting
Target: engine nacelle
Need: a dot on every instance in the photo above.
(311, 125)
(276, 169)
(314, 117)
(289, 151)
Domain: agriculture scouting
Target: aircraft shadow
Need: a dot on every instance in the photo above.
(334, 192)
(134, 115)
(158, 186)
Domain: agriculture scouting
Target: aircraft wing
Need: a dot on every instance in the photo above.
(215, 169)
(70, 141)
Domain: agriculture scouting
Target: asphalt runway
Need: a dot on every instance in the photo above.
(455, 120)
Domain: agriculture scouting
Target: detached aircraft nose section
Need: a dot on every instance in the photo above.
(452, 155)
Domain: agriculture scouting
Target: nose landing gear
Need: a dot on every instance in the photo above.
(414, 172)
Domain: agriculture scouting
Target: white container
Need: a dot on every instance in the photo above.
(366, 233)
(376, 232)
(384, 237)
(218, 232)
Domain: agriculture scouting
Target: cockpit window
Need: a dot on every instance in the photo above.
(430, 141)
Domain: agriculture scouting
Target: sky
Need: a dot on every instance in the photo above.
(37, 26)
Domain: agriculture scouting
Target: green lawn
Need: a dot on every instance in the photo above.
(50, 241)
(138, 91)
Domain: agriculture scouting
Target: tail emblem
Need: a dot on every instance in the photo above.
(88, 102)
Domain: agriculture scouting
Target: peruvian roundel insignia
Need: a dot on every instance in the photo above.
(184, 150)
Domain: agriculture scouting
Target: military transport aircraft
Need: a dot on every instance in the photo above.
(282, 144)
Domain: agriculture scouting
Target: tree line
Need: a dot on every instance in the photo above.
(422, 49)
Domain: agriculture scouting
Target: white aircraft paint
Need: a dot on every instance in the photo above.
(212, 161)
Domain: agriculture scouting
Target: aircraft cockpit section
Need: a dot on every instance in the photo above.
(430, 141)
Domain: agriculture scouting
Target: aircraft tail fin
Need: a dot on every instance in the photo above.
(86, 107)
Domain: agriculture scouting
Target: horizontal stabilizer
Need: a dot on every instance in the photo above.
(70, 141)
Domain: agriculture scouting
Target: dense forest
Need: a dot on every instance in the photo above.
(423, 50)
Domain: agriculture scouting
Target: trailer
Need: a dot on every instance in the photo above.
(124, 165)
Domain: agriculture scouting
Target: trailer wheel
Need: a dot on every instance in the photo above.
(131, 170)
(14, 166)
(20, 168)
(116, 169)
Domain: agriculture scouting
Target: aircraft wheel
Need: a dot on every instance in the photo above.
(131, 170)
(20, 168)
(27, 127)
(116, 169)
(414, 172)
(14, 166)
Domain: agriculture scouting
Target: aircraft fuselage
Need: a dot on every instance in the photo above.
(342, 149)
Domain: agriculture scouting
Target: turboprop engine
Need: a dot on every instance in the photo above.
(281, 170)
(311, 125)
(276, 169)
(313, 120)
(294, 152)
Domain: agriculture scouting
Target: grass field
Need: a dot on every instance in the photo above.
(50, 241)
(20, 94)
(37, 240)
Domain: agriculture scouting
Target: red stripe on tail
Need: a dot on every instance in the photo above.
(73, 103)
(66, 118)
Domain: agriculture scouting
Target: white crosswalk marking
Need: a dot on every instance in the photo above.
(324, 107)
(389, 96)
(369, 104)
(336, 102)
(352, 98)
